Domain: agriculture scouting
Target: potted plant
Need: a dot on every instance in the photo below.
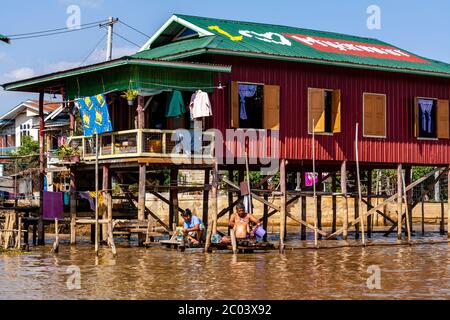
(130, 95)
(67, 153)
(63, 153)
(75, 156)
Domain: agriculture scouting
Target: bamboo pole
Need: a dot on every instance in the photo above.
(96, 195)
(359, 184)
(369, 201)
(303, 206)
(283, 203)
(345, 203)
(314, 184)
(250, 204)
(73, 209)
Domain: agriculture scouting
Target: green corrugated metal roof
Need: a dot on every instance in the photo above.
(277, 42)
(4, 38)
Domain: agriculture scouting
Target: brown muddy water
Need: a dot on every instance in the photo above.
(406, 272)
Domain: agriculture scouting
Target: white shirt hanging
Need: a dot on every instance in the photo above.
(200, 105)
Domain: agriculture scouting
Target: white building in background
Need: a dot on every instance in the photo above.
(22, 120)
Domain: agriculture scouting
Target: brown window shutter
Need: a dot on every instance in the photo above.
(316, 110)
(443, 128)
(374, 115)
(369, 116)
(234, 105)
(380, 115)
(271, 107)
(416, 117)
(336, 111)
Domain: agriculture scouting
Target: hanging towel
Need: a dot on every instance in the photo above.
(87, 196)
(310, 179)
(200, 106)
(100, 198)
(53, 205)
(66, 198)
(245, 91)
(175, 106)
(95, 115)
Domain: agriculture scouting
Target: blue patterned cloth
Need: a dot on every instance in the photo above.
(95, 115)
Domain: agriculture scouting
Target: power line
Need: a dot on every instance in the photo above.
(132, 28)
(133, 43)
(53, 33)
(53, 30)
(92, 51)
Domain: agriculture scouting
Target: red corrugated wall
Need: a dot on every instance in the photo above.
(294, 80)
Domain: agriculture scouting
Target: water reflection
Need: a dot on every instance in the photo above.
(406, 272)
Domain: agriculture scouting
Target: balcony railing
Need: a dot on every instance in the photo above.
(6, 150)
(146, 143)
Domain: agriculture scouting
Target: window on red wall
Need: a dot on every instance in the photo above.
(431, 118)
(255, 106)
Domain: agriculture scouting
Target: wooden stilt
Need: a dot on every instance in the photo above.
(356, 202)
(206, 197)
(230, 199)
(73, 208)
(345, 200)
(423, 214)
(369, 203)
(408, 196)
(105, 188)
(141, 193)
(212, 216)
(214, 198)
(173, 210)
(333, 203)
(55, 248)
(303, 205)
(319, 204)
(358, 177)
(408, 228)
(41, 229)
(442, 223)
(19, 233)
(265, 210)
(448, 205)
(233, 242)
(283, 203)
(399, 202)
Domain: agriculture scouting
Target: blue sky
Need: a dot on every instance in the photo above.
(422, 27)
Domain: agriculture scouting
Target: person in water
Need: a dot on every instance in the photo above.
(193, 227)
(240, 223)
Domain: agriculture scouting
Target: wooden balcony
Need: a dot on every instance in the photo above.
(146, 143)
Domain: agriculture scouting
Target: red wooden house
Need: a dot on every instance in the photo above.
(294, 88)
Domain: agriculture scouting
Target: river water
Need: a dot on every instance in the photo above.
(406, 272)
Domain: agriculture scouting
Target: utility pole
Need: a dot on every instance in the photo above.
(109, 44)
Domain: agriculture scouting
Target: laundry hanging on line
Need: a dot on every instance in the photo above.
(175, 105)
(90, 197)
(95, 115)
(200, 105)
(53, 205)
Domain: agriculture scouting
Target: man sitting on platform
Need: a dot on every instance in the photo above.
(193, 227)
(240, 223)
